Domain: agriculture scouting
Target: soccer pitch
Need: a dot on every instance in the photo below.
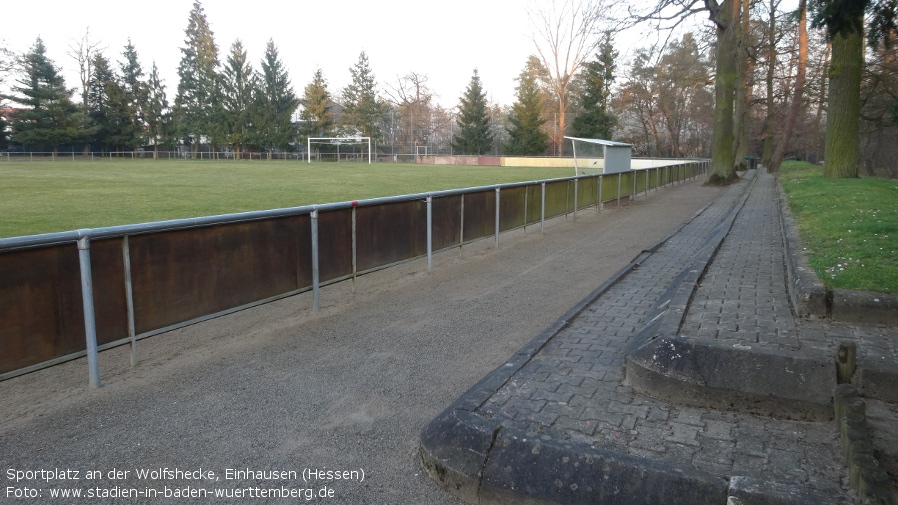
(42, 197)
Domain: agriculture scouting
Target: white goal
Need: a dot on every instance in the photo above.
(339, 141)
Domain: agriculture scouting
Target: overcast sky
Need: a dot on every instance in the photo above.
(444, 40)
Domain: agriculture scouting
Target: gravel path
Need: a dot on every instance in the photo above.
(280, 387)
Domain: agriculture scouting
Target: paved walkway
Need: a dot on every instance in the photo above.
(571, 395)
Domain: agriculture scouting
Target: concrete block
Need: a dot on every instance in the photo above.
(751, 491)
(765, 382)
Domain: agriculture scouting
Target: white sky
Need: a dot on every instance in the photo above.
(444, 40)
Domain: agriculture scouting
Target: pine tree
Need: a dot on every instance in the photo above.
(239, 89)
(594, 119)
(317, 116)
(195, 102)
(362, 110)
(473, 121)
(135, 87)
(112, 120)
(276, 103)
(48, 117)
(526, 135)
(157, 114)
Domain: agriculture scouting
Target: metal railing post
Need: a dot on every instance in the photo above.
(316, 299)
(129, 298)
(461, 232)
(87, 299)
(619, 175)
(576, 188)
(542, 216)
(355, 248)
(601, 203)
(429, 233)
(498, 190)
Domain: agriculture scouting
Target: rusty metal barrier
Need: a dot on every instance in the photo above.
(71, 294)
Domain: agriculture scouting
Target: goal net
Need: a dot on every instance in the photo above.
(598, 156)
(339, 142)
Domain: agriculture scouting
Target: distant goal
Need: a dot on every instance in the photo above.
(339, 141)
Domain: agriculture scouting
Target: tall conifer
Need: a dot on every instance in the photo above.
(473, 121)
(195, 102)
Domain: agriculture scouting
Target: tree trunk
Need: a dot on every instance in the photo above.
(798, 96)
(771, 69)
(843, 106)
(821, 104)
(743, 95)
(723, 170)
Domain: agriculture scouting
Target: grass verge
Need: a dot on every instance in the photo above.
(42, 197)
(849, 227)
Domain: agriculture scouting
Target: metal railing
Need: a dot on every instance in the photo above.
(70, 294)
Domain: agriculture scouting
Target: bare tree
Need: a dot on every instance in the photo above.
(667, 14)
(798, 96)
(565, 33)
(413, 99)
(83, 52)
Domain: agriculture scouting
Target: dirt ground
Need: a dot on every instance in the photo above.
(281, 387)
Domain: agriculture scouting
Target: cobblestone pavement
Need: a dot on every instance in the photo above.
(573, 388)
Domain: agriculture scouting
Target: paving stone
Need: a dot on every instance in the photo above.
(572, 391)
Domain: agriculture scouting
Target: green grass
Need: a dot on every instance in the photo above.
(42, 197)
(849, 227)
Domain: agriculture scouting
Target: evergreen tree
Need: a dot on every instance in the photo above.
(473, 121)
(195, 102)
(157, 114)
(48, 117)
(594, 119)
(276, 103)
(526, 134)
(6, 65)
(362, 110)
(134, 86)
(239, 85)
(317, 116)
(112, 120)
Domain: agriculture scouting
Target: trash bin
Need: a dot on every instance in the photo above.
(752, 162)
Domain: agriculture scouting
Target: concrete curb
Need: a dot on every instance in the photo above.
(809, 296)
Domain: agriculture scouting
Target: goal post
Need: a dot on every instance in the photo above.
(338, 141)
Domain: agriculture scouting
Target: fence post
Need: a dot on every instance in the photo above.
(576, 190)
(498, 190)
(646, 182)
(87, 300)
(461, 233)
(315, 284)
(355, 248)
(601, 203)
(429, 233)
(542, 214)
(619, 175)
(129, 298)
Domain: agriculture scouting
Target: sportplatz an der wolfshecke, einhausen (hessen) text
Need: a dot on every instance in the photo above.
(202, 476)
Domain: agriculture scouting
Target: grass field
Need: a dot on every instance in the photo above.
(42, 197)
(849, 226)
